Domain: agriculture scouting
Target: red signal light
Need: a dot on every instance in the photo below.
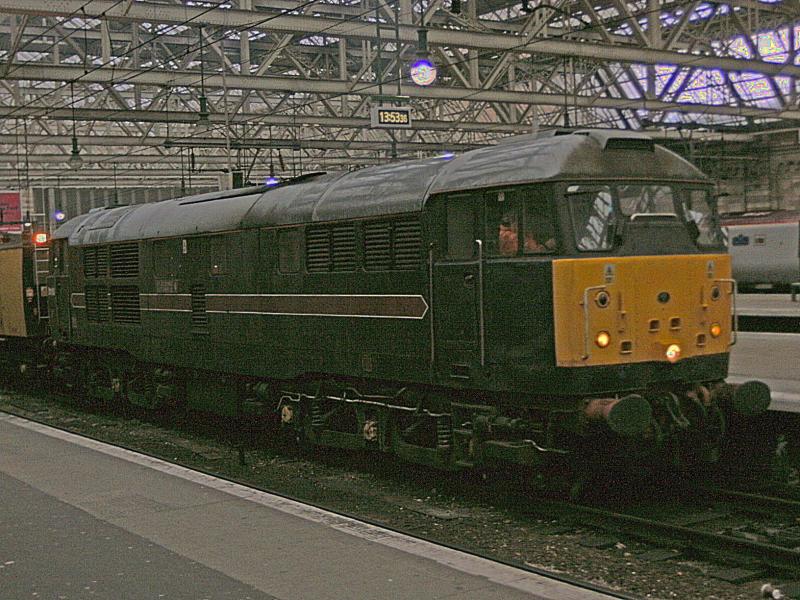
(40, 238)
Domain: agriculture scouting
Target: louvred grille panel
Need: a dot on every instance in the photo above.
(125, 305)
(97, 308)
(318, 250)
(199, 314)
(344, 248)
(377, 247)
(407, 244)
(125, 260)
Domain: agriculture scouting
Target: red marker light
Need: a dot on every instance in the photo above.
(40, 238)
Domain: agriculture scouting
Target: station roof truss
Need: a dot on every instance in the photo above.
(287, 85)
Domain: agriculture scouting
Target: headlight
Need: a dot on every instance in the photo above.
(673, 353)
(715, 330)
(602, 339)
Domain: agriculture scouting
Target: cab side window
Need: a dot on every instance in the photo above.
(538, 223)
(502, 224)
(462, 220)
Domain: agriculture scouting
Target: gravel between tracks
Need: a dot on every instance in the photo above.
(458, 509)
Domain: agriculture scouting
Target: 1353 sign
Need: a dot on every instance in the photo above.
(391, 117)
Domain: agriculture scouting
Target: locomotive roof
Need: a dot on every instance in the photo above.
(395, 188)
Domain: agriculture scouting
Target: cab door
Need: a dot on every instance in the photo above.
(457, 288)
(58, 294)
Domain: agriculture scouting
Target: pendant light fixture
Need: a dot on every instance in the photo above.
(203, 114)
(75, 160)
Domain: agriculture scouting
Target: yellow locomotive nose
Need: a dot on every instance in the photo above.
(636, 309)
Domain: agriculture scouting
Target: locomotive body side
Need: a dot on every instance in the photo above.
(446, 311)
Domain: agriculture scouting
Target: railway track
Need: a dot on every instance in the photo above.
(720, 528)
(758, 502)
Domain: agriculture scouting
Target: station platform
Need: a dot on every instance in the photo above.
(83, 519)
(767, 305)
(774, 358)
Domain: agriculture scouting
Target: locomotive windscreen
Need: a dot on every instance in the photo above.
(600, 211)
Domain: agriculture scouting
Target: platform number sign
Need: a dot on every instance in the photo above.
(391, 117)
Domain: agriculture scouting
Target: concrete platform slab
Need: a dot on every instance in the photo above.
(229, 538)
(774, 358)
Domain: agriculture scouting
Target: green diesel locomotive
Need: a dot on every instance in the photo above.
(516, 303)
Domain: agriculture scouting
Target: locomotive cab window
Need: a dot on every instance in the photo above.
(700, 215)
(502, 224)
(462, 220)
(638, 200)
(594, 218)
(597, 212)
(519, 222)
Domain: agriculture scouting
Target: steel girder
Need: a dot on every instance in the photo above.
(279, 75)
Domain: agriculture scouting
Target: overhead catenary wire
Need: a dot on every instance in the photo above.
(610, 22)
(69, 17)
(632, 102)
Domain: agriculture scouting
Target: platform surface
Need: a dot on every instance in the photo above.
(774, 358)
(81, 519)
(767, 305)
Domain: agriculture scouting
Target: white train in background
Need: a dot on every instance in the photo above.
(764, 248)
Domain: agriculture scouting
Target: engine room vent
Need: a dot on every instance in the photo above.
(199, 314)
(394, 245)
(125, 305)
(97, 308)
(318, 250)
(377, 246)
(344, 248)
(95, 261)
(125, 260)
(407, 243)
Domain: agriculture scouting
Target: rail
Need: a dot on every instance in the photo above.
(710, 542)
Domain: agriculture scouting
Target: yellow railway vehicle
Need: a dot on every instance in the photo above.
(24, 266)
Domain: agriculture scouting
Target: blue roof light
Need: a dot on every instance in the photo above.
(59, 216)
(270, 181)
(423, 72)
